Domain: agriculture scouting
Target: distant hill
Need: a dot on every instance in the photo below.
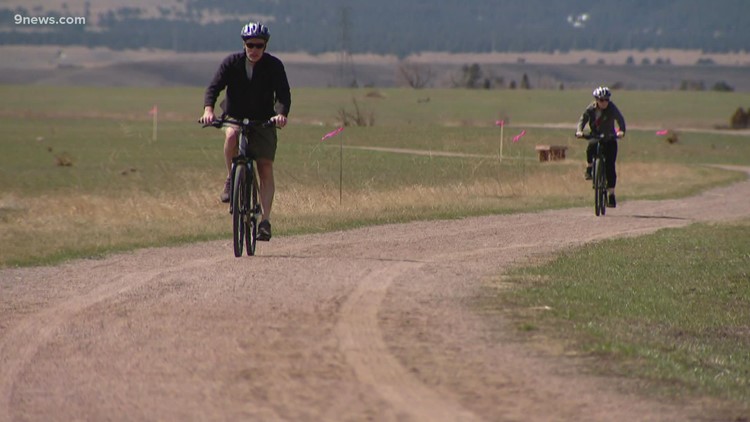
(395, 27)
(49, 65)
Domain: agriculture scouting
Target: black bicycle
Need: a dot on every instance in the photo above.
(599, 172)
(244, 204)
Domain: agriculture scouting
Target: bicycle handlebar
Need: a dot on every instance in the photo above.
(599, 137)
(218, 123)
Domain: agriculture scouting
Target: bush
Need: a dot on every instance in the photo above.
(740, 119)
(356, 118)
(722, 86)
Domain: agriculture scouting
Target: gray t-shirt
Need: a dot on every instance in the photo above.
(248, 69)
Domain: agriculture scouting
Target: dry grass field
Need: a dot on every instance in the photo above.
(123, 190)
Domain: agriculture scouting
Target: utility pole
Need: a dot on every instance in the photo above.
(347, 76)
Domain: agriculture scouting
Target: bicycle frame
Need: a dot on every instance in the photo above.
(243, 159)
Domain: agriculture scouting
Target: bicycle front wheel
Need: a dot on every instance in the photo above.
(251, 226)
(239, 198)
(600, 188)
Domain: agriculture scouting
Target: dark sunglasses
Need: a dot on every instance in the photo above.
(259, 45)
(603, 100)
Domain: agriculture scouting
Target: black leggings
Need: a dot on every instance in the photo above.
(610, 156)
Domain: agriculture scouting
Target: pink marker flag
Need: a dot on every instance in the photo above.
(500, 123)
(661, 132)
(332, 133)
(153, 111)
(519, 136)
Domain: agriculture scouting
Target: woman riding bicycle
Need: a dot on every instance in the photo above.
(601, 116)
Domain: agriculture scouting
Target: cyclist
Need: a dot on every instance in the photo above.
(601, 116)
(257, 89)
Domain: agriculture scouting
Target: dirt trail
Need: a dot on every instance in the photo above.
(377, 323)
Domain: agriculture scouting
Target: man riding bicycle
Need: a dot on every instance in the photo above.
(257, 89)
(601, 116)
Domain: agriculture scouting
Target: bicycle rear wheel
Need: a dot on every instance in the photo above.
(251, 226)
(239, 198)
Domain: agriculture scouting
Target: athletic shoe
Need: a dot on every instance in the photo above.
(587, 175)
(612, 203)
(264, 231)
(227, 187)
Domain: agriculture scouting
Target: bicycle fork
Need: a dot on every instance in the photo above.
(252, 184)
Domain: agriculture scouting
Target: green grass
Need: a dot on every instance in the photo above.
(672, 308)
(124, 189)
(666, 109)
(393, 107)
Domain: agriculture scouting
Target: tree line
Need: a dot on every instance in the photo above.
(402, 28)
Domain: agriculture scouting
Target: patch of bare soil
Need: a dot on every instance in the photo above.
(376, 323)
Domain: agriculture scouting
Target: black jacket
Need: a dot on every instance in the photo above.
(260, 98)
(605, 124)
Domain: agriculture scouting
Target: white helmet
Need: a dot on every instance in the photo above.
(602, 93)
(255, 30)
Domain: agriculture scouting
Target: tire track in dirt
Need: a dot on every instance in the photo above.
(20, 344)
(367, 353)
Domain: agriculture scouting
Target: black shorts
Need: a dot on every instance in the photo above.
(262, 142)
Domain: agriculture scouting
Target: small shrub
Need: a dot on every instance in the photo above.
(375, 94)
(64, 160)
(356, 118)
(722, 86)
(740, 119)
(525, 84)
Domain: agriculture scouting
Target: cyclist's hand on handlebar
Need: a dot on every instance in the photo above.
(620, 134)
(579, 134)
(279, 120)
(208, 116)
